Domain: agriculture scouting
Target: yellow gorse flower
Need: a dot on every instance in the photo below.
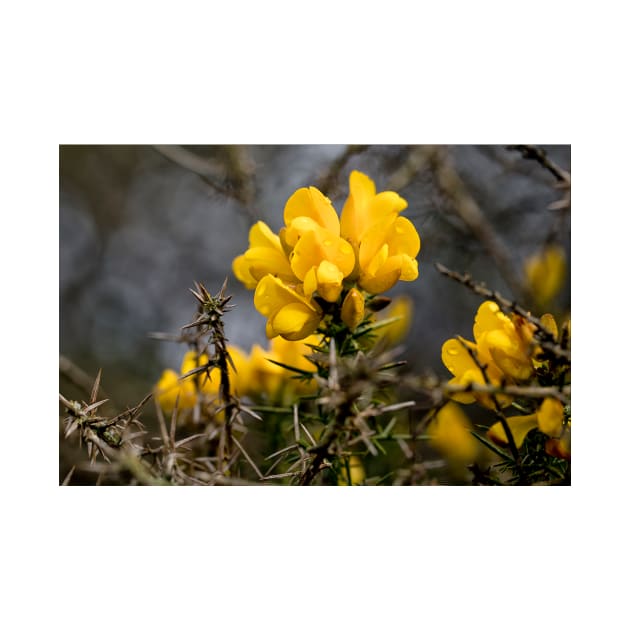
(187, 390)
(264, 256)
(385, 244)
(318, 255)
(254, 375)
(545, 272)
(504, 344)
(450, 433)
(549, 419)
(289, 312)
(400, 311)
(273, 381)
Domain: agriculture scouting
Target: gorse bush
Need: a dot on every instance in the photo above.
(330, 399)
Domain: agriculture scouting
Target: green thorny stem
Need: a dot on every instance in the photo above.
(210, 321)
(342, 411)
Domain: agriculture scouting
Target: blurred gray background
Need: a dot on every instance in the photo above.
(138, 225)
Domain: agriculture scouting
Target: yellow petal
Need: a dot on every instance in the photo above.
(560, 447)
(545, 272)
(550, 417)
(373, 241)
(381, 282)
(519, 426)
(403, 238)
(295, 321)
(364, 208)
(319, 245)
(489, 317)
(192, 360)
(310, 202)
(271, 299)
(241, 270)
(272, 294)
(260, 235)
(263, 260)
(400, 309)
(353, 214)
(329, 280)
(549, 322)
(310, 282)
(457, 359)
(449, 433)
(167, 389)
(408, 267)
(508, 354)
(240, 374)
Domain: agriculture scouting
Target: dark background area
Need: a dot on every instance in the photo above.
(138, 225)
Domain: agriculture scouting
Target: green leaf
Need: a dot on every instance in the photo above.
(495, 449)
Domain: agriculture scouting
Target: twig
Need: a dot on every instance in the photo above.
(532, 152)
(510, 390)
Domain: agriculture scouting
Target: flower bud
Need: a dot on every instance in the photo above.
(353, 309)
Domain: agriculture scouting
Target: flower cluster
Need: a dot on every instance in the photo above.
(504, 347)
(505, 351)
(319, 258)
(257, 374)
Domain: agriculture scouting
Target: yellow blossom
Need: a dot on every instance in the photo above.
(400, 311)
(450, 433)
(275, 381)
(457, 358)
(201, 384)
(265, 255)
(505, 341)
(549, 419)
(171, 385)
(545, 272)
(289, 313)
(364, 208)
(504, 344)
(321, 260)
(387, 254)
(308, 209)
(319, 256)
(385, 244)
